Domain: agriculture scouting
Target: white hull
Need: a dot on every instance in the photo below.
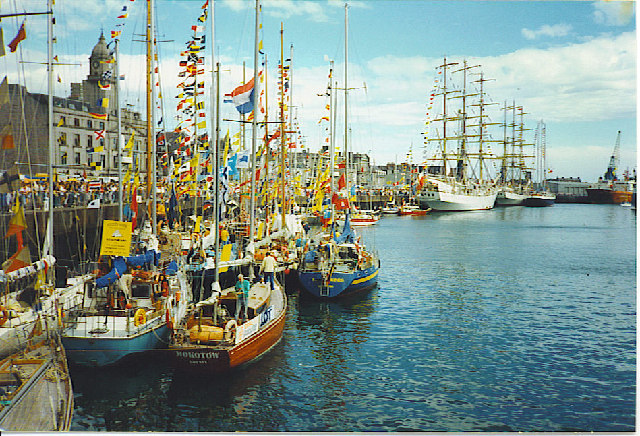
(457, 202)
(508, 198)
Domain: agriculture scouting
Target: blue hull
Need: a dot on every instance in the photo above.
(340, 284)
(539, 202)
(102, 351)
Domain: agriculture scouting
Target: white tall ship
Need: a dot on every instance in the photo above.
(462, 183)
(515, 174)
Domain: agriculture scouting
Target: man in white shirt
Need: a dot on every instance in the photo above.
(268, 267)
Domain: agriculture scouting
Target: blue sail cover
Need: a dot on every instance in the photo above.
(120, 265)
(119, 268)
(172, 268)
(347, 232)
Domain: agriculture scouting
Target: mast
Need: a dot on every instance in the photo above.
(332, 147)
(282, 128)
(216, 179)
(254, 136)
(346, 93)
(214, 146)
(50, 19)
(151, 140)
(119, 145)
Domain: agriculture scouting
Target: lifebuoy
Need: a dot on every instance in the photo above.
(140, 317)
(4, 315)
(230, 330)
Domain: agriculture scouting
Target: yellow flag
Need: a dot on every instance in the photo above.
(226, 148)
(129, 143)
(226, 255)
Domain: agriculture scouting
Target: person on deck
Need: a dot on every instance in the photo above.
(268, 267)
(242, 292)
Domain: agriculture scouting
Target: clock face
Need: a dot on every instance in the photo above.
(95, 64)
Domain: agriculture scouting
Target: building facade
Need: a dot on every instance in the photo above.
(85, 126)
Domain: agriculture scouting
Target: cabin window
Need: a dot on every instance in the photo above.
(140, 291)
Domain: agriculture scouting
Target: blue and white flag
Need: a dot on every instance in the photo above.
(243, 159)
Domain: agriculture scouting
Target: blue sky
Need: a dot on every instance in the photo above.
(572, 64)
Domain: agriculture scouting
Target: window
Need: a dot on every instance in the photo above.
(101, 125)
(90, 141)
(77, 158)
(76, 141)
(76, 122)
(89, 124)
(62, 139)
(62, 121)
(63, 159)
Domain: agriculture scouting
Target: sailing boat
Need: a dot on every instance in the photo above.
(513, 190)
(36, 388)
(130, 309)
(541, 197)
(454, 189)
(337, 266)
(208, 338)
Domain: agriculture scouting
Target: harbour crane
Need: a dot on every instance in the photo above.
(614, 161)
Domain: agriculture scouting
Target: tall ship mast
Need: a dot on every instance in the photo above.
(456, 186)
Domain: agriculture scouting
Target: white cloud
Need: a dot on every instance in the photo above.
(594, 80)
(613, 13)
(553, 31)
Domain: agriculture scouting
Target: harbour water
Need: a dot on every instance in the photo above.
(515, 319)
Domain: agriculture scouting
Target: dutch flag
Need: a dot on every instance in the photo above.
(242, 97)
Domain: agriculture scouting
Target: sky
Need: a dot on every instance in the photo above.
(571, 64)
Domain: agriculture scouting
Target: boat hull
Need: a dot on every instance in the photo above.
(216, 359)
(97, 351)
(506, 198)
(539, 201)
(608, 196)
(340, 284)
(445, 201)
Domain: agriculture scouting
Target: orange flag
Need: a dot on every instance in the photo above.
(17, 222)
(342, 183)
(6, 138)
(19, 260)
(22, 35)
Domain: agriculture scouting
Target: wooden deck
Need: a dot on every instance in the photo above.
(36, 393)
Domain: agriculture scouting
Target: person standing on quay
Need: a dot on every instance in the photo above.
(268, 267)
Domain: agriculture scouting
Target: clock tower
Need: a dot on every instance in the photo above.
(100, 83)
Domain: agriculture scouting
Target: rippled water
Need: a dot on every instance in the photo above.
(518, 319)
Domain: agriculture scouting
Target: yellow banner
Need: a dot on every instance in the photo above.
(116, 238)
